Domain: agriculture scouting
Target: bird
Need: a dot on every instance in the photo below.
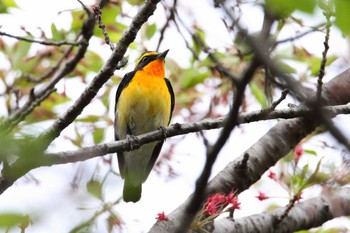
(144, 102)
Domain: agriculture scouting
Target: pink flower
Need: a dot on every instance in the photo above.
(272, 175)
(161, 217)
(232, 200)
(214, 203)
(261, 196)
(298, 153)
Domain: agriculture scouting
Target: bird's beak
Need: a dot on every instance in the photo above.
(163, 54)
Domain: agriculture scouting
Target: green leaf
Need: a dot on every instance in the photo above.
(342, 12)
(311, 152)
(284, 8)
(242, 45)
(10, 219)
(110, 13)
(94, 187)
(56, 34)
(113, 28)
(135, 2)
(307, 6)
(198, 38)
(313, 176)
(88, 119)
(191, 77)
(78, 17)
(5, 4)
(98, 135)
(258, 93)
(285, 67)
(46, 110)
(150, 30)
(315, 62)
(304, 172)
(19, 52)
(92, 62)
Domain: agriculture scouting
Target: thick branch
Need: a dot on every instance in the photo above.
(274, 145)
(305, 215)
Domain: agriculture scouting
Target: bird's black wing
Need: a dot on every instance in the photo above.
(172, 97)
(124, 83)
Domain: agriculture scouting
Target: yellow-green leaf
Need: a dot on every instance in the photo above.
(94, 187)
(342, 12)
(98, 135)
(258, 93)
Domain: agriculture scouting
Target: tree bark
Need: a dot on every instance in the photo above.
(244, 171)
(305, 215)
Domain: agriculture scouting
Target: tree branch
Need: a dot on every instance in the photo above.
(37, 96)
(103, 75)
(274, 145)
(177, 129)
(46, 137)
(42, 42)
(305, 215)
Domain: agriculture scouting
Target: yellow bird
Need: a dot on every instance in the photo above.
(144, 102)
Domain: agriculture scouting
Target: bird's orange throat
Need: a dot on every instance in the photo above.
(154, 69)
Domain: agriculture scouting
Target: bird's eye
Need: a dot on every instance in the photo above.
(145, 59)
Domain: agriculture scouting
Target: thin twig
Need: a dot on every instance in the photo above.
(98, 14)
(42, 42)
(300, 35)
(321, 73)
(219, 66)
(166, 25)
(52, 70)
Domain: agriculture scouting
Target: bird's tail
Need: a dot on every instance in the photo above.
(131, 191)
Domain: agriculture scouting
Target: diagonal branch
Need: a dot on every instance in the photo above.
(37, 96)
(103, 75)
(244, 171)
(19, 168)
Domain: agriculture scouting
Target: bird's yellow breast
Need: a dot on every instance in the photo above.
(144, 105)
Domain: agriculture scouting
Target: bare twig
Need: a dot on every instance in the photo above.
(219, 66)
(51, 71)
(98, 14)
(300, 35)
(166, 25)
(42, 42)
(321, 73)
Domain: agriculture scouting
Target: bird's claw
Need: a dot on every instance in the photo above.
(133, 141)
(162, 128)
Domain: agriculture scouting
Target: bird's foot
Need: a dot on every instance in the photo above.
(133, 141)
(162, 128)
